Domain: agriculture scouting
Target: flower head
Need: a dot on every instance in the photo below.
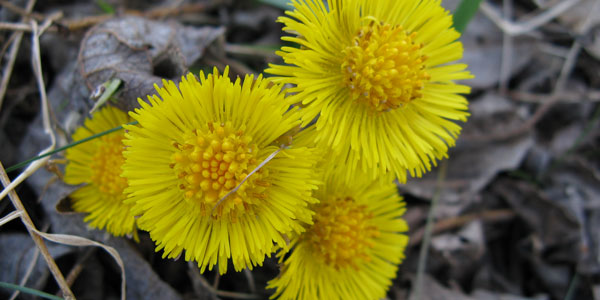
(353, 247)
(380, 76)
(208, 173)
(98, 164)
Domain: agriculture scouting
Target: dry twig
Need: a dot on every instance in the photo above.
(252, 51)
(423, 253)
(78, 267)
(25, 13)
(564, 96)
(37, 70)
(518, 28)
(201, 281)
(32, 263)
(250, 279)
(507, 50)
(459, 221)
(565, 72)
(11, 216)
(33, 232)
(9, 186)
(155, 13)
(14, 50)
(15, 26)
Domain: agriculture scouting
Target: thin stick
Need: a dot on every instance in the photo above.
(428, 229)
(15, 26)
(9, 186)
(25, 13)
(74, 240)
(151, 14)
(49, 21)
(564, 96)
(221, 293)
(39, 242)
(32, 263)
(37, 69)
(217, 279)
(519, 28)
(264, 162)
(459, 221)
(36, 61)
(542, 109)
(567, 67)
(7, 44)
(13, 215)
(251, 50)
(76, 270)
(250, 278)
(13, 55)
(507, 49)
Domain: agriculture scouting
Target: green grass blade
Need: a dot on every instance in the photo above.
(73, 144)
(464, 13)
(105, 6)
(28, 291)
(110, 88)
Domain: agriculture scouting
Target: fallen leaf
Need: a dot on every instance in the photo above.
(141, 53)
(473, 164)
(432, 290)
(17, 251)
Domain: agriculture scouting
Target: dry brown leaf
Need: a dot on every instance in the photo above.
(141, 53)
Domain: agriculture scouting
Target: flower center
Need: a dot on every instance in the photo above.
(384, 66)
(341, 233)
(213, 161)
(106, 165)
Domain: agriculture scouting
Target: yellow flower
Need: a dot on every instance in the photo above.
(380, 76)
(98, 164)
(354, 246)
(194, 146)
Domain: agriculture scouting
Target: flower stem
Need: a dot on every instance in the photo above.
(428, 230)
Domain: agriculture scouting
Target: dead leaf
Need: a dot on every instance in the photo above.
(575, 17)
(577, 190)
(482, 42)
(66, 97)
(472, 165)
(488, 295)
(16, 252)
(462, 251)
(555, 227)
(432, 290)
(141, 53)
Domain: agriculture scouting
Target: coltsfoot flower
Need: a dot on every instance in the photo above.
(353, 249)
(97, 163)
(380, 76)
(190, 160)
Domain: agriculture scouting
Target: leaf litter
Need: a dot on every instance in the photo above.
(519, 208)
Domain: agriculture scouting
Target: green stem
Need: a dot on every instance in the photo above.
(73, 144)
(428, 230)
(29, 291)
(572, 287)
